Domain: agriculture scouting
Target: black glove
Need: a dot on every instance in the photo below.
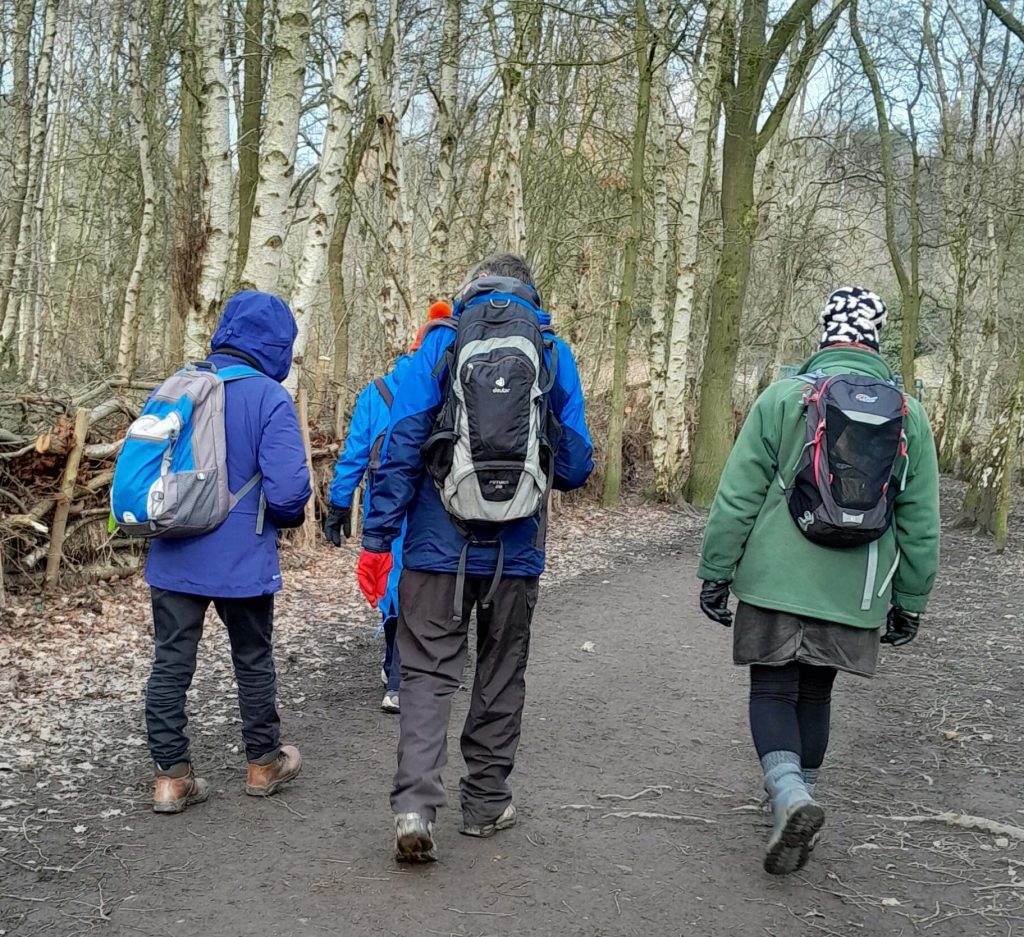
(338, 524)
(714, 602)
(900, 627)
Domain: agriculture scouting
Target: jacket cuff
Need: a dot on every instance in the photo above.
(910, 603)
(374, 543)
(710, 573)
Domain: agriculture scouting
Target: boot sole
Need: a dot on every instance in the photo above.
(793, 848)
(415, 848)
(489, 829)
(179, 806)
(274, 786)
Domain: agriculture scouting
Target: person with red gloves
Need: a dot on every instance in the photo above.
(451, 569)
(360, 457)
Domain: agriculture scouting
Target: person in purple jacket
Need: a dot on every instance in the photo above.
(234, 567)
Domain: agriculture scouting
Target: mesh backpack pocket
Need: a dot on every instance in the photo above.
(845, 485)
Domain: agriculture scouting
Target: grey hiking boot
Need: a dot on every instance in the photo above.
(176, 788)
(507, 819)
(414, 838)
(796, 817)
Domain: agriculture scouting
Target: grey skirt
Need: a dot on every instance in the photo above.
(762, 636)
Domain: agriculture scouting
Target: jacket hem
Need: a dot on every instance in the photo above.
(213, 592)
(792, 608)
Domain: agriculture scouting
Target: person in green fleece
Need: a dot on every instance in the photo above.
(807, 611)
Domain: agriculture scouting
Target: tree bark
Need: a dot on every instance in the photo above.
(320, 227)
(15, 198)
(271, 215)
(670, 469)
(26, 251)
(217, 182)
(647, 50)
(129, 341)
(447, 101)
(250, 128)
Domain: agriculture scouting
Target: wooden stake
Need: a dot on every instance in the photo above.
(64, 499)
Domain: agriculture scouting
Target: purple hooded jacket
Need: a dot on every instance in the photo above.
(263, 435)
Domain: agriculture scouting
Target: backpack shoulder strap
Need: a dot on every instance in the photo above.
(384, 391)
(238, 372)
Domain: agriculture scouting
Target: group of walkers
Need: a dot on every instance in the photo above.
(825, 527)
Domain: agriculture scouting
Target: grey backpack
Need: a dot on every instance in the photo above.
(855, 444)
(171, 477)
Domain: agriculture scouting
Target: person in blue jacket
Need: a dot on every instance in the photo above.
(235, 567)
(361, 456)
(432, 643)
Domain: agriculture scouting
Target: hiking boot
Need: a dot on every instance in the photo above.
(176, 788)
(414, 838)
(796, 817)
(270, 773)
(507, 819)
(390, 702)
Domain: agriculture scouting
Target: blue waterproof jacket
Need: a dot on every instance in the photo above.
(262, 435)
(370, 420)
(404, 491)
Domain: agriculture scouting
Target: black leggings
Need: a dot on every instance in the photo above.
(790, 710)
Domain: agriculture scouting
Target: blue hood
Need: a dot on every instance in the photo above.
(261, 326)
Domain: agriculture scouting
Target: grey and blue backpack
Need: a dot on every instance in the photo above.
(854, 460)
(171, 477)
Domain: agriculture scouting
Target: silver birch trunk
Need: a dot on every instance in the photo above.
(669, 472)
(440, 221)
(218, 178)
(27, 247)
(394, 308)
(271, 212)
(16, 196)
(310, 277)
(127, 349)
(662, 258)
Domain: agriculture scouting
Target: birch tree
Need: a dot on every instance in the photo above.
(669, 469)
(129, 339)
(646, 53)
(330, 174)
(217, 181)
(250, 124)
(271, 215)
(447, 102)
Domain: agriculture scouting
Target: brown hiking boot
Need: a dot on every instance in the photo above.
(267, 778)
(176, 788)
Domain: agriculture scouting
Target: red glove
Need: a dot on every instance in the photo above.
(372, 572)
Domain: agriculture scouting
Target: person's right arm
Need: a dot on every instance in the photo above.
(749, 472)
(355, 456)
(413, 413)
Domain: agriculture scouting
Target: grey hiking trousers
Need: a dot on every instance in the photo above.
(432, 647)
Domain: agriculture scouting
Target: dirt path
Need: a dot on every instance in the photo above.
(655, 707)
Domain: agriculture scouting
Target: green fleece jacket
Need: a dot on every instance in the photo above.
(752, 541)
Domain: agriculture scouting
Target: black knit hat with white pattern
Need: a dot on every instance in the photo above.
(853, 316)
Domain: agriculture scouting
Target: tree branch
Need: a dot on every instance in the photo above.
(1006, 18)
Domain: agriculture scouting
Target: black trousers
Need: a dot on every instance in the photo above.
(432, 647)
(791, 709)
(178, 628)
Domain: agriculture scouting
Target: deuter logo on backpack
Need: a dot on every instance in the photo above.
(171, 477)
(491, 451)
(854, 460)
